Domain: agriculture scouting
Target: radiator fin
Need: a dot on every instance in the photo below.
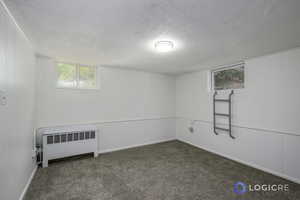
(70, 137)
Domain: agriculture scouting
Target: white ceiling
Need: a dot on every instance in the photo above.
(120, 33)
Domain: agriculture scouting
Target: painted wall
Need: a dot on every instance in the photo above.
(119, 135)
(146, 99)
(265, 114)
(17, 80)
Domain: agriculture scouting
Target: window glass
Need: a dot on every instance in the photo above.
(230, 78)
(76, 76)
(87, 77)
(66, 75)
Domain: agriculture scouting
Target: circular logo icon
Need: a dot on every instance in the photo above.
(240, 188)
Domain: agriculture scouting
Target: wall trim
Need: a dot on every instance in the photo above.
(113, 121)
(282, 175)
(244, 127)
(28, 183)
(136, 145)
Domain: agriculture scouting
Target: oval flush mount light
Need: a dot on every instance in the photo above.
(164, 46)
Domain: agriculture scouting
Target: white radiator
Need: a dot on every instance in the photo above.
(64, 141)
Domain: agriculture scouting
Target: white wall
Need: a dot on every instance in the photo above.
(17, 79)
(265, 114)
(146, 99)
(120, 135)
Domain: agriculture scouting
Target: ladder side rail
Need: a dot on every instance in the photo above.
(230, 115)
(214, 112)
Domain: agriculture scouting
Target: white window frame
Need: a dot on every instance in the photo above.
(212, 77)
(77, 66)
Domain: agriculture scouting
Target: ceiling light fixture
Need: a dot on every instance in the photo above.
(164, 46)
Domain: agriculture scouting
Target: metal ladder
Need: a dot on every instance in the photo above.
(223, 114)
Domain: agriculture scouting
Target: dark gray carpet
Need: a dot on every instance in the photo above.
(165, 171)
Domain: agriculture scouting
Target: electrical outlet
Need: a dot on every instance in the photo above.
(191, 129)
(3, 98)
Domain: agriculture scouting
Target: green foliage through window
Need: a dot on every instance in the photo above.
(76, 76)
(66, 75)
(87, 77)
(231, 78)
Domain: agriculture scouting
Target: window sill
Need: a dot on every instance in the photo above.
(79, 89)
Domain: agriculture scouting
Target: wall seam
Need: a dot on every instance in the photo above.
(15, 22)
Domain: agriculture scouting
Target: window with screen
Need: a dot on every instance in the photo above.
(228, 78)
(76, 76)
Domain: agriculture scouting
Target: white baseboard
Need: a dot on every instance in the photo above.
(28, 183)
(135, 145)
(296, 180)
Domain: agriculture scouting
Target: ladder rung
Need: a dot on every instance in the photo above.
(223, 129)
(221, 114)
(222, 100)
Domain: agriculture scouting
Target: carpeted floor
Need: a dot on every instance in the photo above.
(166, 171)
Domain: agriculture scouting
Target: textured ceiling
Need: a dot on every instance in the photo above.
(120, 33)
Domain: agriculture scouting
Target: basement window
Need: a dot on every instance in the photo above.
(226, 78)
(75, 76)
